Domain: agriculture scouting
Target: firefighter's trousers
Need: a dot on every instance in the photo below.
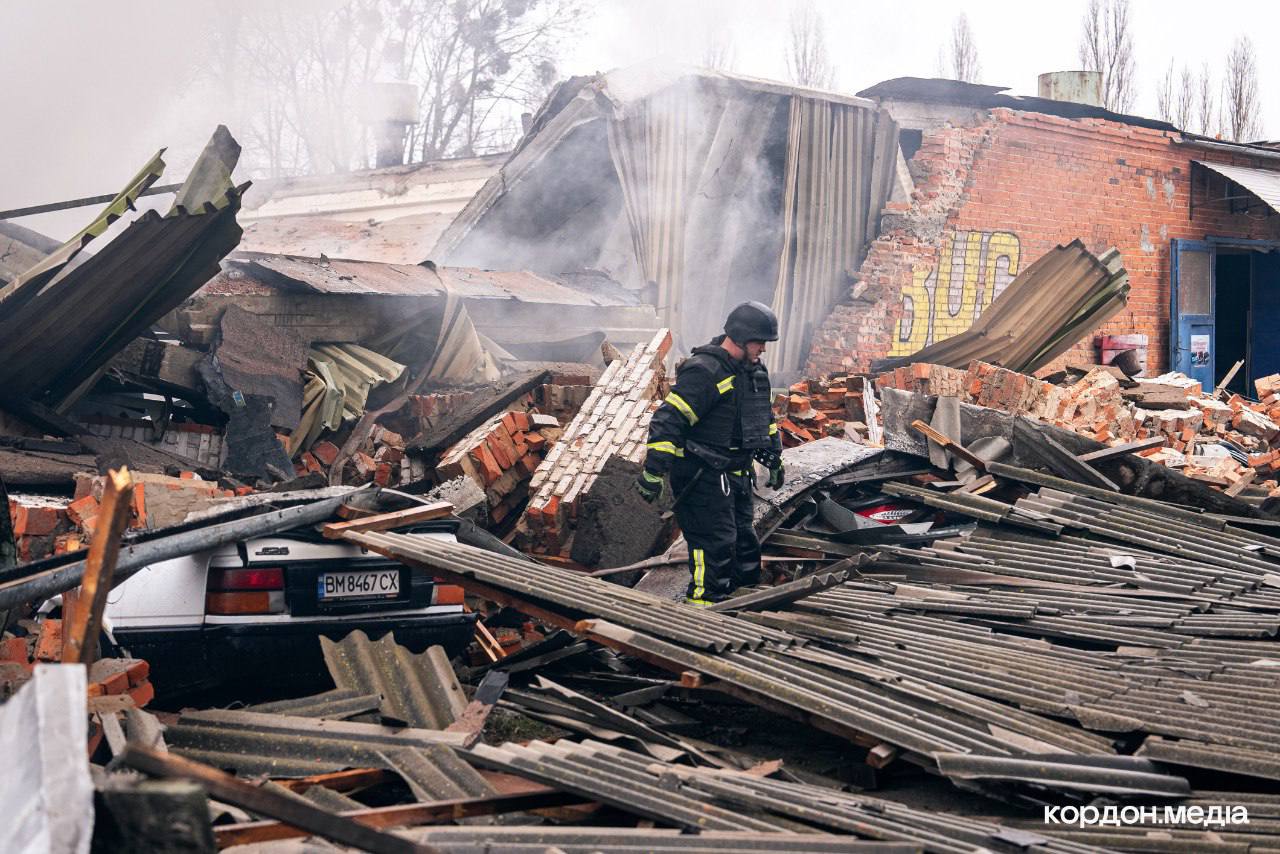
(715, 517)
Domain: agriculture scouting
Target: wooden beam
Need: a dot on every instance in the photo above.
(389, 521)
(1120, 450)
(951, 446)
(307, 818)
(80, 642)
(406, 815)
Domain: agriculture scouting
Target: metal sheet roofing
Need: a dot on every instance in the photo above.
(1263, 183)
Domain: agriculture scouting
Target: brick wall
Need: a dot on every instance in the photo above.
(992, 197)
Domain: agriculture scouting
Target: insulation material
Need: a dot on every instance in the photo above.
(339, 379)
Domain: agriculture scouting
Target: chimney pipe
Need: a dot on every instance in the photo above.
(1080, 87)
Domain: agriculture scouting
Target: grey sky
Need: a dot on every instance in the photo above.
(94, 88)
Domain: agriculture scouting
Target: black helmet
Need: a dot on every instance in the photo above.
(752, 321)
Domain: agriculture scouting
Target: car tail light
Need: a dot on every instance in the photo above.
(446, 594)
(246, 579)
(245, 591)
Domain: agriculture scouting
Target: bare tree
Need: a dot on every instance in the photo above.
(1206, 102)
(807, 62)
(962, 59)
(1106, 45)
(302, 79)
(719, 52)
(1242, 120)
(1176, 97)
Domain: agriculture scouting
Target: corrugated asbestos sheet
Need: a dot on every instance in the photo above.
(1053, 303)
(1263, 183)
(339, 703)
(840, 167)
(420, 690)
(289, 746)
(590, 840)
(59, 326)
(708, 800)
(1057, 625)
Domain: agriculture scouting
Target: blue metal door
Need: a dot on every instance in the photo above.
(1191, 344)
(1263, 357)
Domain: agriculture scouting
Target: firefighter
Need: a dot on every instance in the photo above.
(706, 433)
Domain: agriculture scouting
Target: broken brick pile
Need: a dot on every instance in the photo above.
(380, 459)
(107, 676)
(1099, 406)
(812, 409)
(45, 526)
(614, 420)
(501, 456)
(1092, 406)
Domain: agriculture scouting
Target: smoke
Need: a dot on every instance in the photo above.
(695, 220)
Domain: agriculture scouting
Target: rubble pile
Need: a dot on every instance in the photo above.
(501, 457)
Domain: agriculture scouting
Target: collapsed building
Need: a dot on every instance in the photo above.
(996, 568)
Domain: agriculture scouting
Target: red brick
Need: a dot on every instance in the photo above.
(509, 422)
(142, 694)
(536, 441)
(15, 650)
(82, 510)
(325, 452)
(116, 683)
(139, 506)
(33, 521)
(310, 463)
(485, 463)
(382, 474)
(138, 672)
(187, 475)
(523, 423)
(49, 641)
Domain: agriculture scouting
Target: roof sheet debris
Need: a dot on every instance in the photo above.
(1062, 297)
(419, 690)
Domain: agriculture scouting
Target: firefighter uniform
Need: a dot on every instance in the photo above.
(705, 434)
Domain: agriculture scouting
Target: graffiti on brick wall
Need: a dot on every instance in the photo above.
(947, 297)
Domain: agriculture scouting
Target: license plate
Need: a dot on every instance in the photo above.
(371, 584)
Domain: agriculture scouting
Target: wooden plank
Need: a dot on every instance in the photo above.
(308, 819)
(80, 643)
(979, 485)
(1119, 450)
(1239, 486)
(340, 781)
(1057, 458)
(389, 521)
(951, 446)
(406, 815)
(1226, 381)
(477, 711)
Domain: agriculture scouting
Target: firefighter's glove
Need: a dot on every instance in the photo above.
(771, 460)
(649, 486)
